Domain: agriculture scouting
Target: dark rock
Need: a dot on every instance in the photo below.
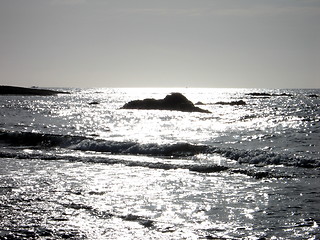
(199, 103)
(93, 103)
(10, 90)
(233, 103)
(258, 94)
(283, 95)
(173, 102)
(313, 96)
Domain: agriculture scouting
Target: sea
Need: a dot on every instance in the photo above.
(78, 166)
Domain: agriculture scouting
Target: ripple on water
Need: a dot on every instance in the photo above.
(73, 200)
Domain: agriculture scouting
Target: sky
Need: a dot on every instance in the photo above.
(160, 43)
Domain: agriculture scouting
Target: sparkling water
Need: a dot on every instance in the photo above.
(77, 166)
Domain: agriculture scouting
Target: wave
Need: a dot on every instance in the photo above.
(187, 149)
(38, 139)
(113, 147)
(192, 167)
(177, 150)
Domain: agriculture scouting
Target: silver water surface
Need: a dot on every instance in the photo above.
(68, 192)
(59, 199)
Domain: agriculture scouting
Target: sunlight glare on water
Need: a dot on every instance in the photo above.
(112, 173)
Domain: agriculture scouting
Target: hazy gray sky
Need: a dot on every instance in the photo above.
(160, 43)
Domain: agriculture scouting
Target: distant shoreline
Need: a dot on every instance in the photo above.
(12, 90)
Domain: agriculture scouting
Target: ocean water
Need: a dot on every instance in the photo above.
(70, 169)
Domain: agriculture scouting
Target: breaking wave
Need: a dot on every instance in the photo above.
(177, 150)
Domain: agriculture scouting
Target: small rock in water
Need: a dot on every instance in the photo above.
(199, 103)
(233, 103)
(173, 102)
(93, 103)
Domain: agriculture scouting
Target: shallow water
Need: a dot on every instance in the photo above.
(70, 170)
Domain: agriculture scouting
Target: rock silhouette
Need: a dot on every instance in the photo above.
(10, 90)
(263, 94)
(93, 103)
(173, 102)
(233, 103)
